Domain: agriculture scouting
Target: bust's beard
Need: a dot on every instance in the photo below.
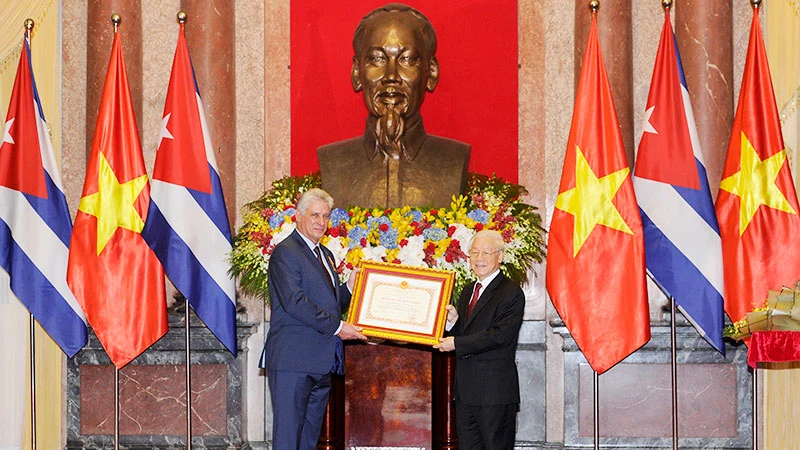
(389, 130)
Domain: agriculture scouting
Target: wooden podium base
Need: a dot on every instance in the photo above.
(443, 424)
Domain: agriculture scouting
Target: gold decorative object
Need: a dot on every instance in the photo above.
(781, 312)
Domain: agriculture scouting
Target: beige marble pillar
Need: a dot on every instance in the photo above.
(615, 31)
(210, 35)
(704, 31)
(100, 34)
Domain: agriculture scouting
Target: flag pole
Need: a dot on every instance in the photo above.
(29, 23)
(755, 407)
(33, 375)
(116, 408)
(596, 400)
(674, 363)
(188, 378)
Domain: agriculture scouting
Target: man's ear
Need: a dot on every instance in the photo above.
(355, 75)
(433, 74)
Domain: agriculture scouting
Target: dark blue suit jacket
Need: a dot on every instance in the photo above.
(305, 311)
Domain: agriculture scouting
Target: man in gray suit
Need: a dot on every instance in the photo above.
(484, 332)
(304, 344)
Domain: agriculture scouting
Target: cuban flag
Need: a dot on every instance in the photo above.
(187, 224)
(35, 224)
(682, 242)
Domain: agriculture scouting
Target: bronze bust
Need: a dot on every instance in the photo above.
(395, 162)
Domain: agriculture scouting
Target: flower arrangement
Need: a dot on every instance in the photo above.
(417, 236)
(780, 311)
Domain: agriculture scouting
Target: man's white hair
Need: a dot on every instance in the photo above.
(492, 236)
(313, 194)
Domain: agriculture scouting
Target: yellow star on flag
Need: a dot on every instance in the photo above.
(590, 201)
(755, 184)
(112, 204)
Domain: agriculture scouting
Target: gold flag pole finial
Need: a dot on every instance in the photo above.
(29, 24)
(181, 17)
(594, 5)
(666, 4)
(756, 3)
(116, 20)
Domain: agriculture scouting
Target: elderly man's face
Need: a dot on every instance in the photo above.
(394, 69)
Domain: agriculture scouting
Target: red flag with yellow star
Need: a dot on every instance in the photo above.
(757, 204)
(595, 258)
(112, 272)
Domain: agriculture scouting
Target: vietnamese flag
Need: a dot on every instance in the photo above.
(112, 272)
(757, 204)
(595, 258)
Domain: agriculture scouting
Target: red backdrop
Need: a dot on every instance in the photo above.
(475, 101)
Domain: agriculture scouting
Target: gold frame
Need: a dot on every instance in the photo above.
(374, 276)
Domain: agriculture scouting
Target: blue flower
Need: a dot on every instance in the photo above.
(434, 234)
(389, 238)
(355, 235)
(375, 222)
(415, 214)
(338, 215)
(479, 215)
(277, 219)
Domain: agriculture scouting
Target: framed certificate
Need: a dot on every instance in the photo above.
(401, 303)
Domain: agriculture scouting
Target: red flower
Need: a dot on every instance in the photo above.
(387, 211)
(451, 230)
(363, 242)
(417, 231)
(403, 242)
(414, 223)
(434, 212)
(396, 261)
(384, 227)
(350, 213)
(478, 226)
(333, 232)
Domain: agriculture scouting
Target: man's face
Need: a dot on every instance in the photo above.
(484, 257)
(314, 221)
(394, 69)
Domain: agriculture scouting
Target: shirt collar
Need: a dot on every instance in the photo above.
(311, 244)
(486, 281)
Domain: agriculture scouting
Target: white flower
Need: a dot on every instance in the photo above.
(336, 246)
(375, 253)
(413, 253)
(285, 230)
(463, 235)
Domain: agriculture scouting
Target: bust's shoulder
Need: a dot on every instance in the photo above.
(352, 146)
(447, 146)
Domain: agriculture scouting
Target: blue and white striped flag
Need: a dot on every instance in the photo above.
(682, 243)
(187, 224)
(35, 224)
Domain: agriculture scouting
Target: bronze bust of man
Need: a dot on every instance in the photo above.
(395, 162)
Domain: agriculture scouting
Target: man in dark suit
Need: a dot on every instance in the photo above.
(304, 343)
(484, 337)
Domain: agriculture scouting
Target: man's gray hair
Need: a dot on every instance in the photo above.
(492, 236)
(311, 195)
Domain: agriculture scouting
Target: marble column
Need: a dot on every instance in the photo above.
(704, 31)
(210, 35)
(100, 34)
(615, 31)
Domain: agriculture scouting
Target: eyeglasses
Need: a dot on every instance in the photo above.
(480, 254)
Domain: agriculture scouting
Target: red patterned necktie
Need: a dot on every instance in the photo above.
(475, 295)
